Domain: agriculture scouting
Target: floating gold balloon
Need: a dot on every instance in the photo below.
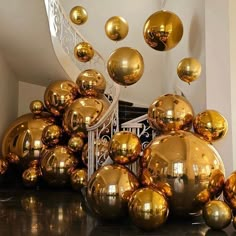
(107, 188)
(59, 94)
(217, 214)
(170, 112)
(185, 162)
(125, 66)
(75, 143)
(229, 191)
(148, 208)
(116, 28)
(189, 69)
(91, 83)
(83, 52)
(51, 135)
(36, 107)
(124, 147)
(163, 30)
(57, 164)
(210, 125)
(78, 15)
(30, 177)
(78, 179)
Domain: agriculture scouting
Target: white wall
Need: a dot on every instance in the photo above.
(8, 96)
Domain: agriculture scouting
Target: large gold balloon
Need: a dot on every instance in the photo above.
(124, 147)
(163, 30)
(78, 15)
(83, 113)
(22, 141)
(229, 191)
(91, 83)
(36, 107)
(116, 28)
(78, 179)
(125, 66)
(210, 125)
(148, 208)
(83, 52)
(217, 214)
(51, 135)
(170, 112)
(184, 161)
(59, 94)
(57, 164)
(189, 69)
(107, 191)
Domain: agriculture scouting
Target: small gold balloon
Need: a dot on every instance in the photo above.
(30, 177)
(36, 107)
(201, 199)
(75, 143)
(116, 28)
(3, 166)
(83, 52)
(78, 179)
(51, 135)
(210, 125)
(216, 183)
(229, 191)
(78, 15)
(91, 83)
(124, 147)
(148, 208)
(189, 69)
(170, 112)
(217, 214)
(163, 30)
(125, 66)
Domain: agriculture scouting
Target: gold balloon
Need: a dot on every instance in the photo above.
(189, 69)
(210, 125)
(36, 107)
(22, 141)
(78, 179)
(201, 199)
(163, 30)
(57, 164)
(3, 166)
(75, 143)
(229, 191)
(116, 28)
(124, 147)
(107, 188)
(170, 112)
(51, 135)
(91, 83)
(217, 214)
(185, 162)
(30, 177)
(83, 52)
(216, 183)
(83, 113)
(234, 222)
(148, 208)
(125, 66)
(78, 15)
(59, 94)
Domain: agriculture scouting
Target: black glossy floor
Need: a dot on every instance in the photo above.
(64, 212)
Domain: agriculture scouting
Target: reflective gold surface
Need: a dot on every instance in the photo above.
(211, 125)
(163, 30)
(186, 163)
(30, 176)
(170, 112)
(57, 164)
(75, 143)
(51, 135)
(189, 69)
(234, 222)
(78, 179)
(107, 189)
(78, 15)
(59, 94)
(116, 28)
(83, 52)
(125, 66)
(216, 183)
(148, 208)
(201, 199)
(124, 147)
(36, 107)
(91, 83)
(22, 140)
(229, 191)
(3, 166)
(217, 214)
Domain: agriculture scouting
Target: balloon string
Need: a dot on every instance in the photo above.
(163, 4)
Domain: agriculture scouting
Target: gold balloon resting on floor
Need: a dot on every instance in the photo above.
(91, 83)
(148, 208)
(78, 179)
(78, 15)
(184, 161)
(229, 191)
(30, 176)
(125, 147)
(170, 112)
(83, 52)
(217, 214)
(125, 66)
(210, 125)
(189, 69)
(163, 30)
(107, 191)
(116, 28)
